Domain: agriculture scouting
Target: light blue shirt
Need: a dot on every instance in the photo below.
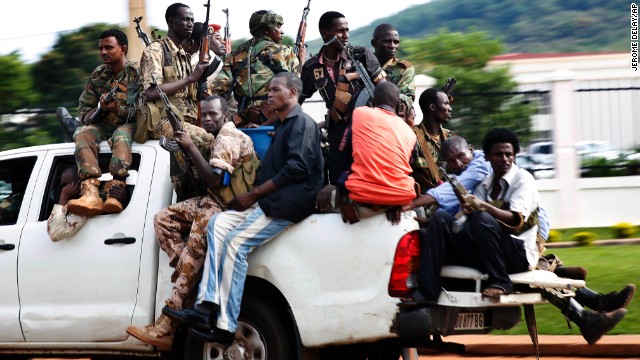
(479, 168)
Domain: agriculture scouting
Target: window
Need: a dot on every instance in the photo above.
(14, 177)
(62, 163)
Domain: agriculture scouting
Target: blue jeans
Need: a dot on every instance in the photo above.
(231, 236)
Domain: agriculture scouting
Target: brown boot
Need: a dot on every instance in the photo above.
(90, 203)
(113, 205)
(159, 334)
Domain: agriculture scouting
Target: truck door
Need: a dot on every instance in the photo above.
(83, 288)
(17, 180)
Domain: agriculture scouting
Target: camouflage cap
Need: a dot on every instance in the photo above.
(263, 20)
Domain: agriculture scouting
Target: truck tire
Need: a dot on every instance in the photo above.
(261, 335)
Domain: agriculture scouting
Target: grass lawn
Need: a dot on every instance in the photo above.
(610, 268)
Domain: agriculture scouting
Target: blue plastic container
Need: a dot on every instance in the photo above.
(261, 140)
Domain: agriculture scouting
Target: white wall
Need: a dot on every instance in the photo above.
(598, 201)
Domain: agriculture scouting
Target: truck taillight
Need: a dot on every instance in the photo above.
(405, 265)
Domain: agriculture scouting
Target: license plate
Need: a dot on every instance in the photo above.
(470, 321)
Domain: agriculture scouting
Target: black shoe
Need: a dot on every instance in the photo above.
(222, 337)
(571, 272)
(615, 299)
(593, 325)
(68, 123)
(190, 316)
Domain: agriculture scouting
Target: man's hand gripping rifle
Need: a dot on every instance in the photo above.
(300, 47)
(369, 86)
(111, 95)
(463, 196)
(176, 125)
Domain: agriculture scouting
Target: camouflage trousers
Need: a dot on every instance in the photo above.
(188, 219)
(88, 138)
(186, 185)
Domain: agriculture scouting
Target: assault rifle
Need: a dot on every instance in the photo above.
(462, 195)
(227, 33)
(111, 95)
(448, 88)
(141, 34)
(176, 125)
(362, 72)
(204, 57)
(300, 47)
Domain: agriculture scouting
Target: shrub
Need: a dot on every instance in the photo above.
(554, 236)
(583, 238)
(623, 230)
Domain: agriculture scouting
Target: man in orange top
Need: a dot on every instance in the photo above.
(382, 145)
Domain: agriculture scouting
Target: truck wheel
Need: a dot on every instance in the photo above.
(261, 335)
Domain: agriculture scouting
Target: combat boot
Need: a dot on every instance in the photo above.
(113, 205)
(605, 302)
(68, 123)
(90, 203)
(593, 325)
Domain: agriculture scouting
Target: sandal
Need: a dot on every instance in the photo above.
(494, 292)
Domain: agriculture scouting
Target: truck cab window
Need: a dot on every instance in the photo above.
(14, 177)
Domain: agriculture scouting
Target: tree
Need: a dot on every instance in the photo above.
(15, 84)
(61, 73)
(483, 98)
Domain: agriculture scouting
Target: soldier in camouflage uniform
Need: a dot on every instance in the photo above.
(385, 42)
(232, 153)
(167, 60)
(436, 111)
(263, 56)
(115, 121)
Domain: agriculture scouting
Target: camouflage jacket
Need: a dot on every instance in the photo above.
(168, 69)
(402, 73)
(100, 82)
(266, 59)
(420, 163)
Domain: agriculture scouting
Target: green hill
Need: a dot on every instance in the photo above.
(544, 26)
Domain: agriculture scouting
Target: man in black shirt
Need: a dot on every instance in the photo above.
(288, 181)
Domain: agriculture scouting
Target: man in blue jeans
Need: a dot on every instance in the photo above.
(288, 181)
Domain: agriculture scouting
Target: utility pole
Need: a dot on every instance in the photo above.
(136, 8)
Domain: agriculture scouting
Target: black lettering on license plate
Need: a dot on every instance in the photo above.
(470, 321)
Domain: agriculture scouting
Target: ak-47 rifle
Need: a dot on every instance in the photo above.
(227, 33)
(204, 57)
(462, 195)
(141, 34)
(448, 88)
(300, 47)
(111, 95)
(362, 72)
(176, 125)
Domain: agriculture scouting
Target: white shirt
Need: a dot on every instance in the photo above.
(519, 189)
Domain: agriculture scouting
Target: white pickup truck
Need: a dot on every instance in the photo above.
(321, 290)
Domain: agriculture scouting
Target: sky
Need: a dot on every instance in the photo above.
(33, 33)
